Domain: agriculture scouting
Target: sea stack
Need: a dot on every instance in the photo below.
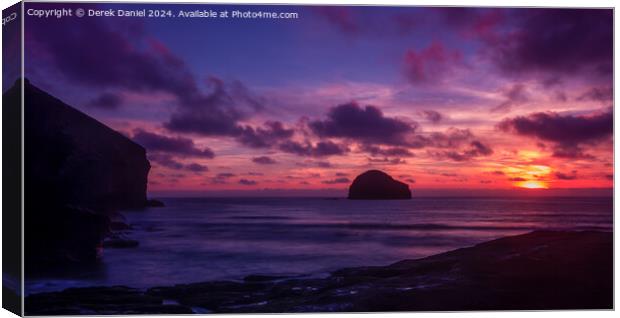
(378, 185)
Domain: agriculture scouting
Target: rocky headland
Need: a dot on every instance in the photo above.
(542, 270)
(78, 174)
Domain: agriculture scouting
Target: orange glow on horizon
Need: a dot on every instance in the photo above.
(532, 184)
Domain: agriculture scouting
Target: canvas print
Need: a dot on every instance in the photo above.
(202, 159)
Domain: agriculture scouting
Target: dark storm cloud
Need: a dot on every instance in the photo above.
(558, 41)
(564, 130)
(263, 160)
(307, 149)
(177, 145)
(366, 124)
(106, 101)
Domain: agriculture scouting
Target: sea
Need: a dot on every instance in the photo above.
(204, 239)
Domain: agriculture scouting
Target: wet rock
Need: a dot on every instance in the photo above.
(535, 271)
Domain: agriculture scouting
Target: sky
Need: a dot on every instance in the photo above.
(440, 98)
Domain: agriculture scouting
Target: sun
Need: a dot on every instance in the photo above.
(532, 184)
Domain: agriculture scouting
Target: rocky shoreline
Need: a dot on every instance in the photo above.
(541, 270)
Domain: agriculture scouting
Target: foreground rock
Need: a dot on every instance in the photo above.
(535, 271)
(378, 185)
(75, 167)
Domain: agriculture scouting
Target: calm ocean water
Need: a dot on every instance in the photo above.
(201, 239)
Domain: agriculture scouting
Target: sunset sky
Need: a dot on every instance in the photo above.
(439, 98)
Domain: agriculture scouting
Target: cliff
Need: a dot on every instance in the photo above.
(77, 171)
(378, 185)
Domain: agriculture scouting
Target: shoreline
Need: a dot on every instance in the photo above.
(540, 270)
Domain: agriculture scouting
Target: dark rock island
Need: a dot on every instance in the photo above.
(78, 172)
(378, 185)
(543, 270)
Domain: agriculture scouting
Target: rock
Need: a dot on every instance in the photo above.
(77, 171)
(64, 234)
(378, 185)
(117, 241)
(71, 158)
(117, 300)
(541, 270)
(154, 203)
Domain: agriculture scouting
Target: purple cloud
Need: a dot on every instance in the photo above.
(247, 182)
(561, 129)
(265, 137)
(366, 124)
(263, 160)
(560, 41)
(175, 145)
(307, 149)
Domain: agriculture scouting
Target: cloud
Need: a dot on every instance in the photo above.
(431, 115)
(319, 149)
(263, 160)
(165, 160)
(600, 94)
(106, 101)
(452, 138)
(168, 161)
(566, 176)
(215, 114)
(431, 64)
(176, 145)
(367, 124)
(265, 137)
(195, 167)
(567, 41)
(515, 95)
(475, 149)
(389, 152)
(123, 56)
(247, 182)
(337, 181)
(561, 129)
(225, 175)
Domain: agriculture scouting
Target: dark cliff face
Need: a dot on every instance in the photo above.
(76, 172)
(79, 160)
(378, 185)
